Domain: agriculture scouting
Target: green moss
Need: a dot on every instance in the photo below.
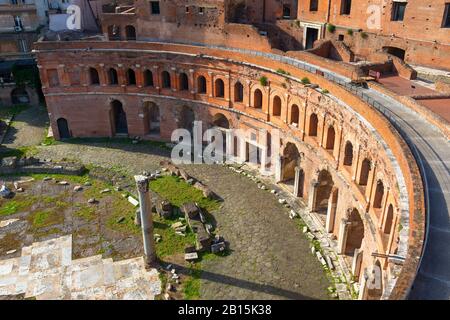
(20, 203)
(331, 28)
(263, 81)
(350, 32)
(179, 192)
(364, 35)
(305, 80)
(84, 211)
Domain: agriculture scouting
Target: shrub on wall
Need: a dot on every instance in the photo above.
(364, 35)
(350, 32)
(331, 28)
(305, 80)
(263, 81)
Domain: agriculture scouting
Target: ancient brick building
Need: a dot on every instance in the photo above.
(156, 66)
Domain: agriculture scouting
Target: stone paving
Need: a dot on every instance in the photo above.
(46, 271)
(270, 257)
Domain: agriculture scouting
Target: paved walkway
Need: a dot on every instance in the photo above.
(46, 271)
(28, 128)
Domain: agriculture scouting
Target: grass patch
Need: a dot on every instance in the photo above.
(8, 112)
(179, 192)
(45, 218)
(20, 203)
(84, 211)
(191, 288)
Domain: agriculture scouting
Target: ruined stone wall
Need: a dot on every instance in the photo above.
(87, 108)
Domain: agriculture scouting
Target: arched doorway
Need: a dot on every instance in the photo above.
(63, 128)
(219, 120)
(112, 76)
(355, 232)
(389, 220)
(114, 33)
(19, 95)
(153, 118)
(130, 32)
(165, 77)
(148, 78)
(379, 194)
(93, 77)
(119, 118)
(131, 77)
(291, 158)
(187, 118)
(323, 191)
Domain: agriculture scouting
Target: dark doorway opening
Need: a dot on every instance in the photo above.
(312, 35)
(120, 118)
(63, 128)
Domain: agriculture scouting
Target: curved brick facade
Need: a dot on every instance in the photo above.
(357, 175)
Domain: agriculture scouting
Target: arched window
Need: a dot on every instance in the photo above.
(201, 85)
(130, 32)
(389, 220)
(313, 123)
(219, 88)
(148, 78)
(112, 76)
(93, 76)
(348, 154)
(184, 81)
(238, 92)
(379, 193)
(276, 106)
(165, 76)
(257, 99)
(331, 135)
(131, 77)
(295, 115)
(114, 32)
(364, 175)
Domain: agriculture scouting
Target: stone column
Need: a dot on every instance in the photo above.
(342, 238)
(312, 195)
(363, 286)
(229, 145)
(331, 212)
(146, 219)
(278, 168)
(297, 182)
(356, 263)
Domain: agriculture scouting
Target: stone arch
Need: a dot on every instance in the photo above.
(119, 118)
(165, 80)
(148, 78)
(219, 88)
(63, 128)
(201, 85)
(276, 106)
(364, 173)
(153, 117)
(379, 194)
(19, 95)
(313, 125)
(389, 220)
(376, 292)
(131, 77)
(113, 78)
(257, 99)
(291, 158)
(348, 154)
(238, 92)
(130, 33)
(295, 115)
(114, 32)
(331, 137)
(187, 118)
(323, 191)
(183, 81)
(94, 78)
(221, 121)
(355, 232)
